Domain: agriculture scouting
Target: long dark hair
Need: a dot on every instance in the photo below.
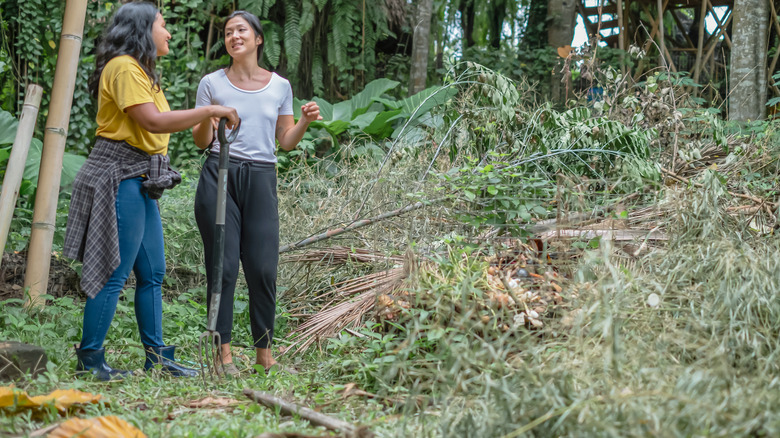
(254, 23)
(129, 33)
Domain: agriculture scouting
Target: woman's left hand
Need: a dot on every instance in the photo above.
(310, 112)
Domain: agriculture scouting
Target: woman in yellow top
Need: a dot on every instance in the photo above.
(114, 222)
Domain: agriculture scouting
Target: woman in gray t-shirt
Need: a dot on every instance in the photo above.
(264, 104)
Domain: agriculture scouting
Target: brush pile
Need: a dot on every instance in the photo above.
(512, 295)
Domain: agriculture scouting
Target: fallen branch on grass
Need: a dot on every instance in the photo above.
(288, 408)
(355, 225)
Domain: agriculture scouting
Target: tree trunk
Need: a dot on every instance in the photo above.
(420, 44)
(467, 15)
(496, 22)
(561, 20)
(747, 81)
(536, 27)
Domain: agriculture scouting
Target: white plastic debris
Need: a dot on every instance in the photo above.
(653, 300)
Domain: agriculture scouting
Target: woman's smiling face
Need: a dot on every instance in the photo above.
(160, 35)
(240, 38)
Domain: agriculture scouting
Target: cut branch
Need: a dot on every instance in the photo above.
(316, 418)
(355, 225)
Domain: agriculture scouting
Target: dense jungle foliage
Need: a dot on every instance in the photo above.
(516, 266)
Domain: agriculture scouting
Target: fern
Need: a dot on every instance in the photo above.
(316, 69)
(307, 16)
(254, 6)
(320, 4)
(272, 50)
(267, 4)
(292, 34)
(338, 40)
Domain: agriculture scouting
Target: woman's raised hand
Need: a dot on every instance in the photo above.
(230, 113)
(310, 112)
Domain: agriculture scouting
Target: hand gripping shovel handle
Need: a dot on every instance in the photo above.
(219, 234)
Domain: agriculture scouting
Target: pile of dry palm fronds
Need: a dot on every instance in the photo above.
(349, 301)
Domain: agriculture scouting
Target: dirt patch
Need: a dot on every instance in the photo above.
(63, 280)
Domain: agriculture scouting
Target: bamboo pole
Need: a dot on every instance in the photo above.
(621, 37)
(15, 167)
(36, 277)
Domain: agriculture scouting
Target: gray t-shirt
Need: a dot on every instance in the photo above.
(258, 110)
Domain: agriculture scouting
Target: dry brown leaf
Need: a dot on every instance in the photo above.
(351, 389)
(564, 51)
(98, 427)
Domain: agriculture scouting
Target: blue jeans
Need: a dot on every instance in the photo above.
(140, 249)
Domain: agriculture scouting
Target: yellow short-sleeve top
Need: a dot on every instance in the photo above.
(123, 84)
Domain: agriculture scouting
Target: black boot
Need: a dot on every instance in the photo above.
(164, 357)
(94, 361)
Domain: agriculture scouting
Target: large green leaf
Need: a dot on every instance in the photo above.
(381, 127)
(336, 127)
(342, 111)
(392, 104)
(8, 124)
(326, 108)
(71, 164)
(364, 120)
(368, 95)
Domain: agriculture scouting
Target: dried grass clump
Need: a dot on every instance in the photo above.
(702, 360)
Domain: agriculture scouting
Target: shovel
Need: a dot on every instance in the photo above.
(210, 341)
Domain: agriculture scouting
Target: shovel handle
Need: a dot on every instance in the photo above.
(221, 132)
(219, 232)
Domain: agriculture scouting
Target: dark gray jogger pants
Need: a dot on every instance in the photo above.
(251, 236)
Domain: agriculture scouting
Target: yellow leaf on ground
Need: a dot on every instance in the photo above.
(10, 397)
(98, 427)
(65, 398)
(16, 399)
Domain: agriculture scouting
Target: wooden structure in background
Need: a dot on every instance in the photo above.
(685, 44)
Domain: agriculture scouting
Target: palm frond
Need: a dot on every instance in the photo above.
(348, 301)
(358, 297)
(292, 34)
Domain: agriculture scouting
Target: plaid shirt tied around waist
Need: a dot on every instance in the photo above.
(91, 235)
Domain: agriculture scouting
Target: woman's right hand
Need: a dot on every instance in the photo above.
(231, 114)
